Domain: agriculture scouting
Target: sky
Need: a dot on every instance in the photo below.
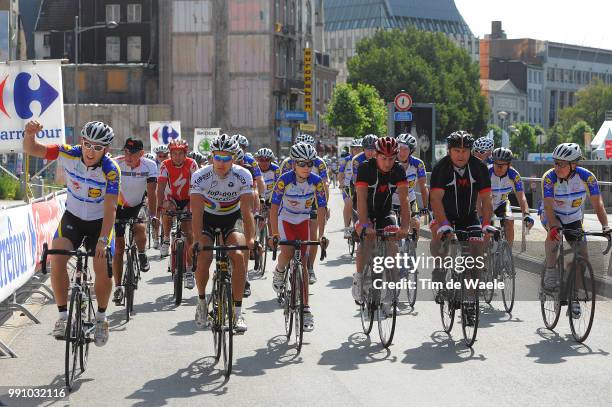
(584, 22)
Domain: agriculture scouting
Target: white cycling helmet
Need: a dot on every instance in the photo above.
(305, 138)
(303, 152)
(241, 140)
(356, 143)
(407, 139)
(240, 155)
(483, 144)
(161, 149)
(98, 132)
(265, 153)
(225, 143)
(567, 152)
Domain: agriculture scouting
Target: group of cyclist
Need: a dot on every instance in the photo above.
(379, 178)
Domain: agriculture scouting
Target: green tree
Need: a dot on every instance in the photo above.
(374, 108)
(523, 140)
(431, 68)
(591, 105)
(556, 135)
(344, 112)
(576, 133)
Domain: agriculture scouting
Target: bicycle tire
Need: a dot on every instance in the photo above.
(413, 276)
(509, 276)
(366, 309)
(215, 326)
(227, 316)
(585, 299)
(88, 325)
(73, 337)
(447, 307)
(287, 304)
(178, 255)
(488, 276)
(385, 332)
(298, 309)
(264, 257)
(128, 285)
(550, 302)
(351, 245)
(469, 332)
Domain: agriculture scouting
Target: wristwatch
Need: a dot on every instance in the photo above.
(103, 240)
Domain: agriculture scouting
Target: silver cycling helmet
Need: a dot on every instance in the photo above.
(303, 152)
(567, 152)
(98, 132)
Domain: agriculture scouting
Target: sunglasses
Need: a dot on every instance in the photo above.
(561, 164)
(96, 147)
(500, 165)
(222, 158)
(304, 164)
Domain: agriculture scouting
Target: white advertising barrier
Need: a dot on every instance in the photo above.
(344, 142)
(23, 230)
(162, 133)
(202, 139)
(30, 90)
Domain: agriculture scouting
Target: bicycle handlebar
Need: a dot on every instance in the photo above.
(180, 215)
(581, 233)
(129, 221)
(79, 253)
(297, 244)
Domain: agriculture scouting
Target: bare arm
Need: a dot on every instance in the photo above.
(161, 187)
(110, 210)
(30, 145)
(424, 191)
(435, 198)
(522, 202)
(362, 204)
(197, 216)
(486, 205)
(402, 193)
(600, 209)
(550, 213)
(152, 196)
(246, 209)
(274, 219)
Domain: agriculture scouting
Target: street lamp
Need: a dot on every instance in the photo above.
(77, 31)
(539, 135)
(502, 118)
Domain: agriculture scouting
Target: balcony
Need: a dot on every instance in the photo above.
(285, 86)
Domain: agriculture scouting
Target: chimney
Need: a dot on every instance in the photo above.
(496, 31)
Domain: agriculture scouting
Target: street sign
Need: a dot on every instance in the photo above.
(402, 116)
(285, 135)
(440, 151)
(203, 137)
(402, 102)
(608, 149)
(308, 127)
(292, 115)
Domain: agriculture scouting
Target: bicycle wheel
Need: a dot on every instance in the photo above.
(227, 332)
(413, 276)
(215, 326)
(128, 285)
(264, 254)
(470, 313)
(88, 324)
(582, 294)
(447, 307)
(288, 304)
(488, 274)
(178, 256)
(387, 314)
(366, 309)
(74, 337)
(298, 308)
(508, 273)
(550, 302)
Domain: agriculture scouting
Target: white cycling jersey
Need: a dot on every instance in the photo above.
(134, 181)
(502, 187)
(87, 186)
(569, 195)
(222, 195)
(414, 172)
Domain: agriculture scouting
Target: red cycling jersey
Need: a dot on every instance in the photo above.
(178, 178)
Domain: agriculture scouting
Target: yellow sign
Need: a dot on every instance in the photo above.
(308, 71)
(308, 127)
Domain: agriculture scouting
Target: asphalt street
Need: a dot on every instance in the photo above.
(160, 358)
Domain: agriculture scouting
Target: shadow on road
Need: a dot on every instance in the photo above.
(166, 279)
(341, 283)
(490, 316)
(276, 354)
(265, 307)
(342, 260)
(357, 350)
(200, 377)
(116, 320)
(442, 350)
(556, 349)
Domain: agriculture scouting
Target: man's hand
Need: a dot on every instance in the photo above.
(32, 128)
(100, 250)
(250, 243)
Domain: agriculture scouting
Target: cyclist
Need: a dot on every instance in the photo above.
(161, 153)
(377, 180)
(176, 173)
(269, 169)
(92, 180)
(415, 173)
(294, 194)
(565, 189)
(346, 183)
(483, 148)
(320, 169)
(505, 180)
(138, 176)
(333, 166)
(198, 158)
(251, 164)
(456, 181)
(221, 194)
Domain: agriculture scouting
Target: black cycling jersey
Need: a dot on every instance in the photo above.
(381, 187)
(461, 187)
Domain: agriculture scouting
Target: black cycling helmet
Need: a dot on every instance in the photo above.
(502, 154)
(460, 139)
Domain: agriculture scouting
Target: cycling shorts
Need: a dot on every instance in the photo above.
(76, 229)
(180, 204)
(227, 224)
(290, 231)
(124, 214)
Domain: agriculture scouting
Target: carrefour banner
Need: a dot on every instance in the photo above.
(23, 230)
(30, 90)
(162, 133)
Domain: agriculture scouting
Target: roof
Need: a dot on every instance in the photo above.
(604, 133)
(352, 14)
(500, 86)
(56, 15)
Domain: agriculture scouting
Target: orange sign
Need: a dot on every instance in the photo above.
(308, 71)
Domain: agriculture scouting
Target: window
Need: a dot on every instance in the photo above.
(134, 50)
(134, 13)
(325, 91)
(113, 12)
(113, 49)
(117, 81)
(47, 40)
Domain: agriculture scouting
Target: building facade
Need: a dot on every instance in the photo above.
(550, 73)
(503, 96)
(348, 21)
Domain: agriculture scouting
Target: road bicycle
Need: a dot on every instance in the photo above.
(178, 253)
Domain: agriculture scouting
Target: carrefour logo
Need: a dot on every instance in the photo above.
(165, 134)
(23, 95)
